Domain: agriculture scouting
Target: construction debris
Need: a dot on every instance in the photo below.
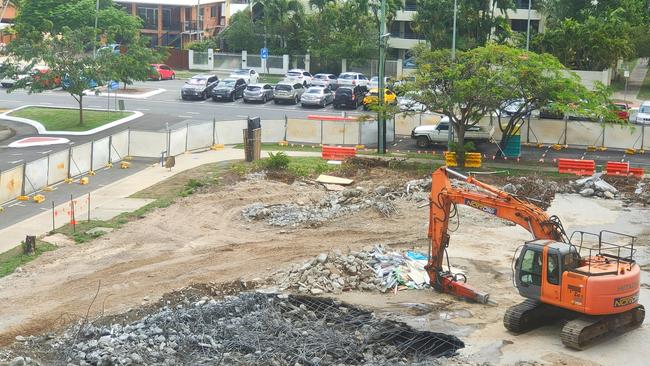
(253, 329)
(374, 270)
(594, 186)
(337, 203)
(329, 179)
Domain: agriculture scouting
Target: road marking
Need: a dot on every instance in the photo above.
(184, 116)
(43, 103)
(193, 113)
(44, 209)
(144, 109)
(15, 161)
(46, 152)
(17, 154)
(241, 116)
(17, 204)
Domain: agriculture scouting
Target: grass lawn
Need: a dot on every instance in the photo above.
(55, 119)
(14, 258)
(644, 92)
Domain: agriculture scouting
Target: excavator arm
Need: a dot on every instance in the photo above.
(491, 201)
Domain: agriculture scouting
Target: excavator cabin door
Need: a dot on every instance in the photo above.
(528, 271)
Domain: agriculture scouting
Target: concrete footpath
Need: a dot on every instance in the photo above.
(637, 75)
(107, 197)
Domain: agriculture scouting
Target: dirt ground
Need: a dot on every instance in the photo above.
(203, 238)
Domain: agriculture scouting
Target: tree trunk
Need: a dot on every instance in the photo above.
(81, 110)
(459, 129)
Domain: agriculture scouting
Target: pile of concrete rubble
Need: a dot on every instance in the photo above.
(594, 186)
(377, 269)
(250, 329)
(337, 203)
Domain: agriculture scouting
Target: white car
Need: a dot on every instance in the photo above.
(299, 76)
(250, 76)
(9, 82)
(352, 79)
(374, 82)
(643, 115)
(407, 103)
(324, 80)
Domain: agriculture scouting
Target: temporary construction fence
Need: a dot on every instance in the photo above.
(76, 161)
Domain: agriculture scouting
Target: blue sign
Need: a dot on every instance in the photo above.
(113, 85)
(264, 53)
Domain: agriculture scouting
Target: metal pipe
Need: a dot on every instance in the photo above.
(455, 173)
(528, 28)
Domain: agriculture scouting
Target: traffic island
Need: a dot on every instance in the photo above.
(64, 120)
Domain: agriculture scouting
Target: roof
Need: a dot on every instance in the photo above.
(170, 2)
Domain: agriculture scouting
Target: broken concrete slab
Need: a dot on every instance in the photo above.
(329, 179)
(334, 187)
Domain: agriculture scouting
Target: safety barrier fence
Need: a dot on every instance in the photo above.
(74, 162)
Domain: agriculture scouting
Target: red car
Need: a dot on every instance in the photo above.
(621, 109)
(45, 78)
(161, 72)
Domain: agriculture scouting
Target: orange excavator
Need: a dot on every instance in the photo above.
(593, 288)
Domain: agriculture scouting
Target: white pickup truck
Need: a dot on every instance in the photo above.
(429, 134)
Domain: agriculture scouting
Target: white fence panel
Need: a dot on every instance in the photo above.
(100, 153)
(80, 161)
(119, 146)
(58, 167)
(646, 137)
(230, 132)
(547, 131)
(584, 133)
(623, 137)
(147, 144)
(305, 131)
(11, 183)
(199, 136)
(273, 131)
(35, 175)
(177, 141)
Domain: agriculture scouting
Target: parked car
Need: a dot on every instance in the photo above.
(90, 83)
(288, 92)
(408, 103)
(199, 86)
(426, 135)
(352, 78)
(8, 82)
(299, 76)
(229, 89)
(621, 109)
(317, 96)
(643, 115)
(324, 80)
(510, 107)
(258, 92)
(113, 48)
(372, 97)
(250, 76)
(374, 82)
(409, 63)
(45, 78)
(348, 96)
(161, 72)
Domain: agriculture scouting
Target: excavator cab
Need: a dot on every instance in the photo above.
(536, 266)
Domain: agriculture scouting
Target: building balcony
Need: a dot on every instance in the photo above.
(404, 40)
(523, 14)
(405, 15)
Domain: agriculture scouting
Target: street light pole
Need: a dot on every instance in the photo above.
(95, 30)
(450, 130)
(528, 28)
(381, 120)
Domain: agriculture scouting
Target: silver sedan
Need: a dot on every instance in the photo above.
(317, 96)
(258, 93)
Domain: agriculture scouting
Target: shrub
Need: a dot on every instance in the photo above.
(278, 161)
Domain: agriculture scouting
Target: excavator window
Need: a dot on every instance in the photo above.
(531, 268)
(553, 269)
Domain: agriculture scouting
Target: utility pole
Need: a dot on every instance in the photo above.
(381, 120)
(199, 28)
(95, 30)
(450, 131)
(528, 28)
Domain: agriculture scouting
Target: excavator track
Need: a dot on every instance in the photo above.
(578, 333)
(524, 316)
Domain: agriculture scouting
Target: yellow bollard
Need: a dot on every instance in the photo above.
(83, 181)
(38, 198)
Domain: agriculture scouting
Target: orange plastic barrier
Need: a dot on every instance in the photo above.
(338, 153)
(637, 172)
(616, 168)
(577, 167)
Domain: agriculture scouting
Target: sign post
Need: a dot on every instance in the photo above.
(264, 53)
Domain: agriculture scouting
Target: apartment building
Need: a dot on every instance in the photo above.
(403, 38)
(174, 23)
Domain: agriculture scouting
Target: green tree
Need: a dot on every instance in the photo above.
(130, 66)
(242, 33)
(464, 90)
(596, 44)
(68, 60)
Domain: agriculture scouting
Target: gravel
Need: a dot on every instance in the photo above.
(252, 329)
